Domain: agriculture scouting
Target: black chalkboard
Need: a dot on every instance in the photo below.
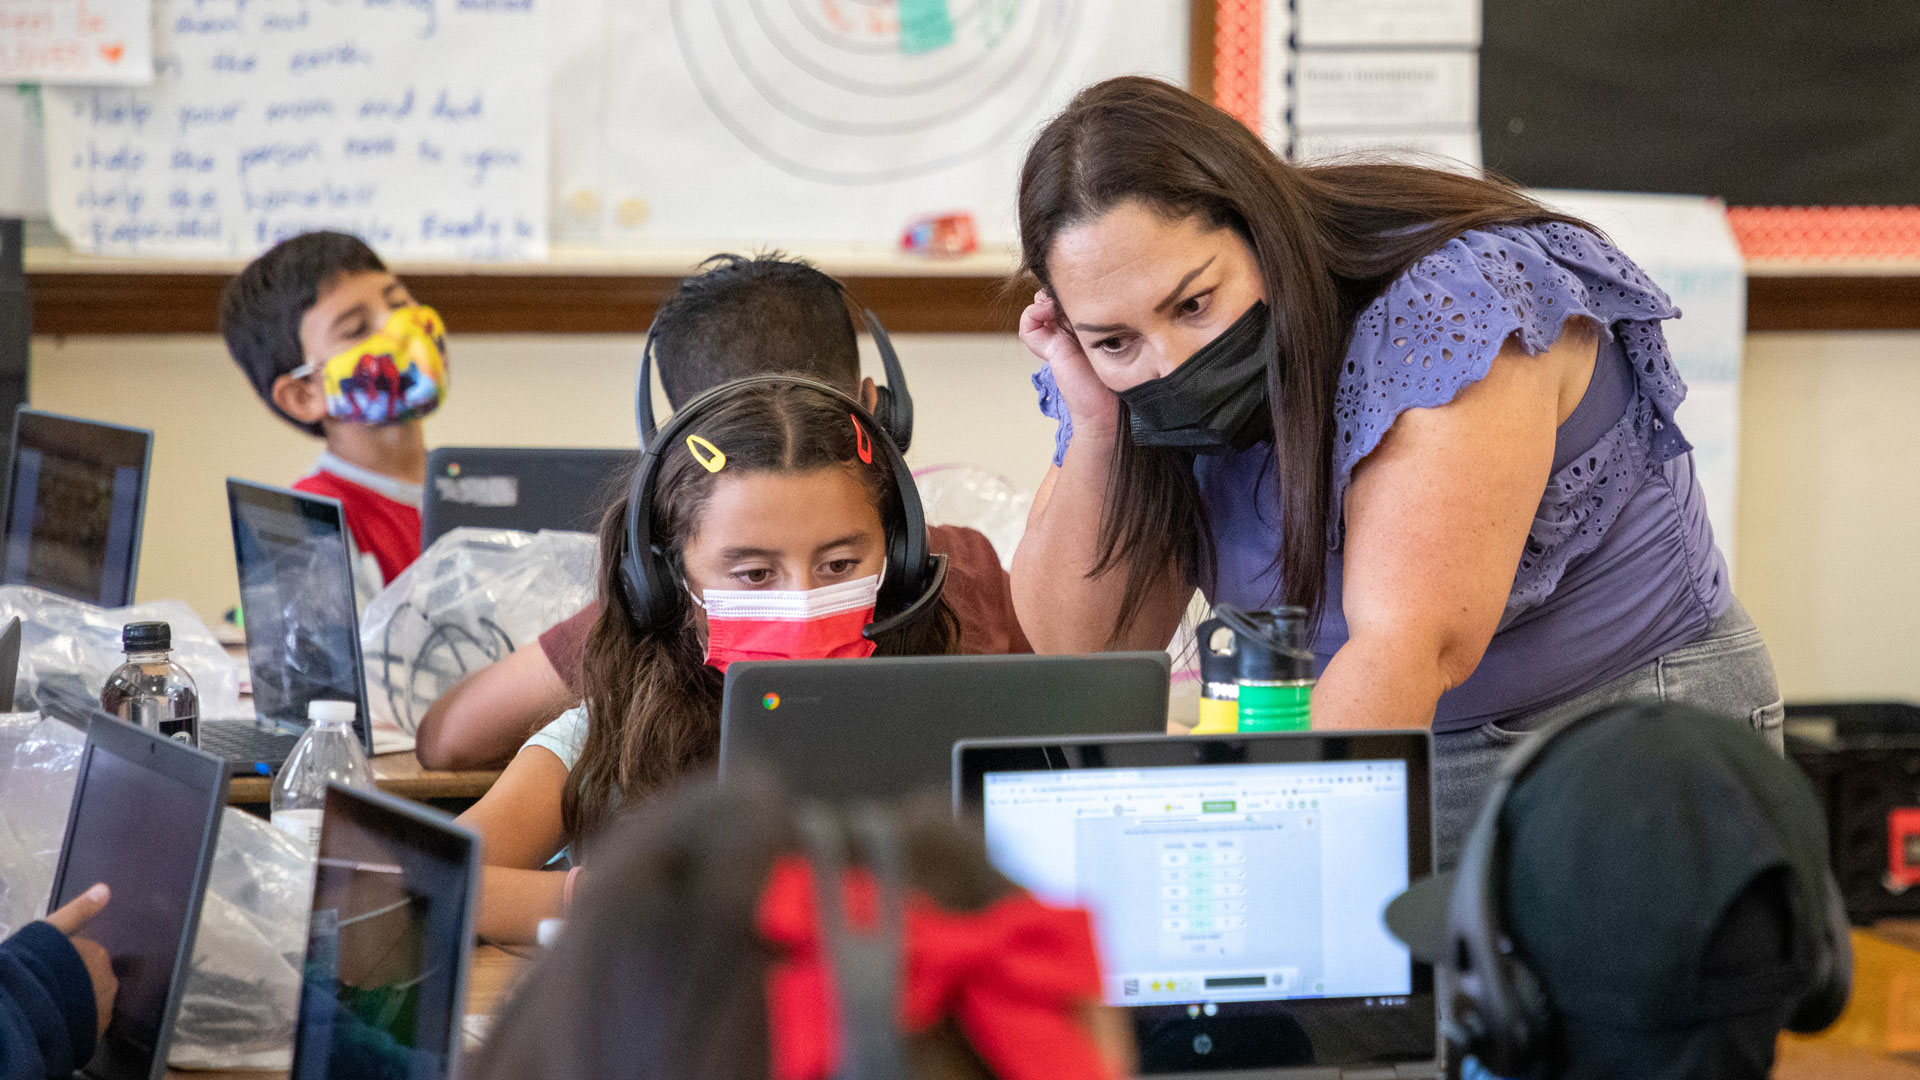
(1761, 102)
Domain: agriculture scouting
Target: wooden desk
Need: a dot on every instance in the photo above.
(396, 774)
(489, 979)
(1878, 1037)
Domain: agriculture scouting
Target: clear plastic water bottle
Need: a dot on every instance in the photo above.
(150, 690)
(329, 752)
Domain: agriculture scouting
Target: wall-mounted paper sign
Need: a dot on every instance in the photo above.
(1388, 22)
(77, 42)
(1455, 150)
(419, 127)
(1336, 89)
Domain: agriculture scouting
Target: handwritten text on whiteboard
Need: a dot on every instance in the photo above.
(418, 125)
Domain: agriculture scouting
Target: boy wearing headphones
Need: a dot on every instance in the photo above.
(738, 317)
(1646, 894)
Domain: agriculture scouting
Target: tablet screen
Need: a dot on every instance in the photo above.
(385, 948)
(140, 831)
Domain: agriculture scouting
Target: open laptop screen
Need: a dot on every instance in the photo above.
(296, 596)
(145, 814)
(75, 499)
(1237, 903)
(1222, 883)
(387, 943)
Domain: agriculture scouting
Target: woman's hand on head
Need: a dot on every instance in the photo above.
(1094, 407)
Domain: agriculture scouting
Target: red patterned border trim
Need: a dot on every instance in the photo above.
(1827, 234)
(1236, 59)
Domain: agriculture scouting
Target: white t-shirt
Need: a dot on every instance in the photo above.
(565, 736)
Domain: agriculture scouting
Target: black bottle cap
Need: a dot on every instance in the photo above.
(146, 637)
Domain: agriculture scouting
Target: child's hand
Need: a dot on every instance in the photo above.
(1094, 408)
(73, 915)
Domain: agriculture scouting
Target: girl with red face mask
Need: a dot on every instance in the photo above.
(773, 511)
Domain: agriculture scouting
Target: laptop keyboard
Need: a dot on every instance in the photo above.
(243, 743)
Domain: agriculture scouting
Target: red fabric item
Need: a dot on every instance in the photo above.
(382, 527)
(1012, 976)
(565, 646)
(978, 590)
(829, 637)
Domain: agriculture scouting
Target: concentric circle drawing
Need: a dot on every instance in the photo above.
(856, 92)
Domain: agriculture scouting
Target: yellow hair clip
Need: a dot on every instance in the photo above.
(708, 455)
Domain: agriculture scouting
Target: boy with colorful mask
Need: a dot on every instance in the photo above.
(335, 345)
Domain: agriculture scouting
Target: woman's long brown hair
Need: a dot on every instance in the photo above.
(653, 704)
(1328, 239)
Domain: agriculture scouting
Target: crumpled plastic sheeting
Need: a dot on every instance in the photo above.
(977, 499)
(69, 647)
(243, 992)
(38, 762)
(471, 598)
(243, 989)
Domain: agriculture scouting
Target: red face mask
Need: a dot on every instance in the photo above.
(770, 624)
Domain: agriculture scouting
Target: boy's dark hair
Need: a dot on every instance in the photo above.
(261, 307)
(741, 316)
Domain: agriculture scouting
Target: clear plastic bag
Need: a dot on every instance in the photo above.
(243, 992)
(977, 499)
(69, 647)
(38, 761)
(243, 989)
(471, 598)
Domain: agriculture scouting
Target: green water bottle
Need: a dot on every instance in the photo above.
(1275, 669)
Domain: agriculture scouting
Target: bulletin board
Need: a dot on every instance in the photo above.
(1762, 102)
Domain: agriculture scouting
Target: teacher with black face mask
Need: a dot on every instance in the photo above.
(1422, 406)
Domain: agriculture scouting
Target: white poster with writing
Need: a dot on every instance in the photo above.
(90, 42)
(1388, 22)
(418, 125)
(1355, 89)
(803, 122)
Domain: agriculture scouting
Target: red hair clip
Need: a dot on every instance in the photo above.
(1013, 976)
(862, 442)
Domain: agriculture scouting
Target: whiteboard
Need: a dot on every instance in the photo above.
(821, 122)
(419, 125)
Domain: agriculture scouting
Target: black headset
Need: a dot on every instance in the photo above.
(914, 576)
(867, 966)
(892, 408)
(1499, 1012)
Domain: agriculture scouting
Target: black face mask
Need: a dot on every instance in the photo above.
(1216, 402)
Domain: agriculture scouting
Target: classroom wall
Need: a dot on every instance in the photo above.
(1829, 511)
(1829, 505)
(506, 390)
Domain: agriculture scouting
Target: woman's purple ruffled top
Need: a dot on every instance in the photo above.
(1620, 564)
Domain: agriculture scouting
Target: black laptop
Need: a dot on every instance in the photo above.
(525, 488)
(303, 630)
(384, 983)
(1237, 885)
(884, 726)
(145, 819)
(76, 501)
